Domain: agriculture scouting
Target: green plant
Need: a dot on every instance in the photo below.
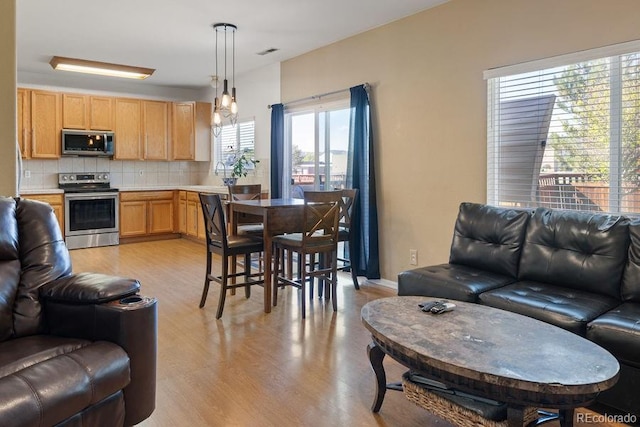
(241, 165)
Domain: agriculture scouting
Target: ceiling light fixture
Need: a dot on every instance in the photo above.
(226, 106)
(99, 68)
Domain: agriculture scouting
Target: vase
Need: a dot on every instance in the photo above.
(229, 181)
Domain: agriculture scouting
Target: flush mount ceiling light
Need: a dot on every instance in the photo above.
(225, 106)
(99, 68)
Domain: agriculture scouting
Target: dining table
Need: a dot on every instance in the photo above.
(279, 216)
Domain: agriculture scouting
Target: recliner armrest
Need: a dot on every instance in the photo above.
(89, 288)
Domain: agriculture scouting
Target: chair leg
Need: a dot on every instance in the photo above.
(247, 274)
(207, 280)
(276, 269)
(334, 280)
(303, 283)
(354, 276)
(312, 263)
(234, 266)
(223, 287)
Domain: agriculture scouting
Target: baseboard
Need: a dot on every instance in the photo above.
(384, 282)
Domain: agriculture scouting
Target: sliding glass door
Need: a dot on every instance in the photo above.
(316, 146)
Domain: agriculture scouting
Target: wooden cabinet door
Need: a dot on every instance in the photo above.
(192, 218)
(182, 212)
(74, 111)
(24, 122)
(128, 129)
(46, 124)
(160, 216)
(183, 131)
(101, 113)
(156, 130)
(133, 218)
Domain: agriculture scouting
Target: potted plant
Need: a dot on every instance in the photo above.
(240, 165)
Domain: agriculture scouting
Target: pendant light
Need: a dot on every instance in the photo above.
(225, 106)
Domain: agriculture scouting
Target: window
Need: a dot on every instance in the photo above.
(565, 132)
(316, 144)
(234, 139)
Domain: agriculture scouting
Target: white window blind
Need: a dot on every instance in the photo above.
(567, 136)
(234, 139)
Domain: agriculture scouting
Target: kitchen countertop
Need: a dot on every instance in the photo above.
(221, 189)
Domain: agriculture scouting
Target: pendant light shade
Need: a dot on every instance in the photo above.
(225, 106)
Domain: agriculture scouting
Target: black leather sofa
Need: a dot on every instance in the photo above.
(75, 349)
(576, 270)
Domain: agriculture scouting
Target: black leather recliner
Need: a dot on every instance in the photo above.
(75, 349)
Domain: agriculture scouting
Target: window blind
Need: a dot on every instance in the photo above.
(234, 138)
(567, 136)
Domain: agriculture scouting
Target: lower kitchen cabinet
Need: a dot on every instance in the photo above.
(145, 213)
(55, 200)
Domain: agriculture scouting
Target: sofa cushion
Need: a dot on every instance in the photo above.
(567, 308)
(577, 250)
(618, 331)
(47, 379)
(631, 276)
(452, 281)
(9, 265)
(489, 238)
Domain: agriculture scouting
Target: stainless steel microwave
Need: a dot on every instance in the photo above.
(87, 143)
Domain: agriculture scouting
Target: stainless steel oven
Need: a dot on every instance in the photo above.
(91, 210)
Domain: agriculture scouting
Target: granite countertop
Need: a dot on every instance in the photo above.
(197, 188)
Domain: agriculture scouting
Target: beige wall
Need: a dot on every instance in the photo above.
(8, 180)
(430, 100)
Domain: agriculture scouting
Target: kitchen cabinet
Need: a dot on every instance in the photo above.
(46, 124)
(144, 213)
(191, 131)
(182, 212)
(156, 126)
(87, 112)
(128, 129)
(24, 122)
(55, 200)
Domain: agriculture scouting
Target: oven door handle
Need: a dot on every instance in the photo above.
(91, 196)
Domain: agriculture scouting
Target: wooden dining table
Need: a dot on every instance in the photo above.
(279, 216)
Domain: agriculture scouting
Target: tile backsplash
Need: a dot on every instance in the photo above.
(43, 174)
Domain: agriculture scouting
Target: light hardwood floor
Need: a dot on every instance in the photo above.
(250, 368)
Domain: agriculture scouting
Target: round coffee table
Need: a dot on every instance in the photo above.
(489, 353)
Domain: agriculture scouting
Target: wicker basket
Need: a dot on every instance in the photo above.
(452, 411)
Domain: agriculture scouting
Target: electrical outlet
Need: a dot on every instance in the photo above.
(141, 172)
(413, 256)
(27, 174)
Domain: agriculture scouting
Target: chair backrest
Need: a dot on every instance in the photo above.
(349, 196)
(321, 215)
(214, 219)
(245, 192)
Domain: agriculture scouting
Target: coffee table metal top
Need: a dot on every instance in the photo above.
(491, 346)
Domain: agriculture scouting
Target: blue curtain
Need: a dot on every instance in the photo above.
(361, 175)
(277, 149)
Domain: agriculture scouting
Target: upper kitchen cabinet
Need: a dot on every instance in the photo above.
(191, 138)
(128, 129)
(24, 122)
(87, 112)
(156, 127)
(46, 123)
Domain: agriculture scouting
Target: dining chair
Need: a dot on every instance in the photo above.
(349, 198)
(321, 213)
(247, 224)
(227, 247)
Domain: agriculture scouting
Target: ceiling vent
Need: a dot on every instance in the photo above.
(268, 51)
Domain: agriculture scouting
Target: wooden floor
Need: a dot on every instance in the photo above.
(250, 368)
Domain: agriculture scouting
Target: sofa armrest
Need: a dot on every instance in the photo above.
(75, 307)
(89, 288)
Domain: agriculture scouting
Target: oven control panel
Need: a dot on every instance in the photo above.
(84, 178)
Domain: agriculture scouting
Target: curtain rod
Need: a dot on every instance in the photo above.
(322, 95)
